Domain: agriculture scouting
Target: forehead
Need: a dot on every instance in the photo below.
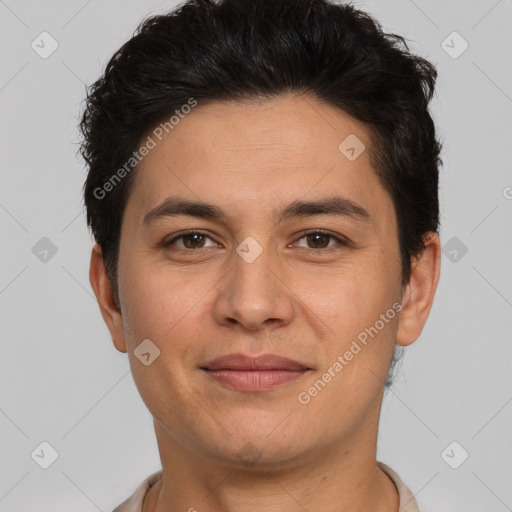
(254, 154)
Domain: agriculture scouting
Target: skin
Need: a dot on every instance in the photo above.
(301, 298)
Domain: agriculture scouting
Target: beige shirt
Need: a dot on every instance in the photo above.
(134, 502)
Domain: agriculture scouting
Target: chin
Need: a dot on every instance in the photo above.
(256, 443)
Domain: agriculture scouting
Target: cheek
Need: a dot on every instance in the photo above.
(346, 298)
(350, 304)
(169, 311)
(163, 305)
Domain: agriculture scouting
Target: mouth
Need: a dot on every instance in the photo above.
(262, 373)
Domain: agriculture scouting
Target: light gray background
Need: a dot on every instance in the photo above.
(63, 382)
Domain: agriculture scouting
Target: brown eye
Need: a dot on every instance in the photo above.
(192, 240)
(318, 240)
(321, 240)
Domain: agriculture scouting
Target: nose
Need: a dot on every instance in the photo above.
(254, 294)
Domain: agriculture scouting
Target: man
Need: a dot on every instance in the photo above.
(262, 188)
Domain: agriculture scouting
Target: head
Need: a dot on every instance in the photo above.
(277, 119)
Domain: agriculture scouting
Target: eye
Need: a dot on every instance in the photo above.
(319, 239)
(196, 240)
(190, 240)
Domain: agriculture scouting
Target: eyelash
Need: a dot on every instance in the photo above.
(341, 242)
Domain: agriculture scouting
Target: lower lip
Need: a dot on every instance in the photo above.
(255, 380)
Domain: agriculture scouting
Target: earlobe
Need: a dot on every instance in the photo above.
(102, 288)
(419, 293)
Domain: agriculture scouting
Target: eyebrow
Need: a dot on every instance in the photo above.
(335, 205)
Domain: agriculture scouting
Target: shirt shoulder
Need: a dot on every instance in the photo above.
(407, 501)
(134, 502)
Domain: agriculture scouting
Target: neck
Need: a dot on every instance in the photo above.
(335, 479)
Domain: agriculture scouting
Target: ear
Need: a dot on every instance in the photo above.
(419, 293)
(104, 292)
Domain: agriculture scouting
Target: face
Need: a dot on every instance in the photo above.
(295, 256)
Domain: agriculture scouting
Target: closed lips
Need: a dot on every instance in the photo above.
(264, 362)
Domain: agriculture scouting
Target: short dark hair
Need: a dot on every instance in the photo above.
(261, 49)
